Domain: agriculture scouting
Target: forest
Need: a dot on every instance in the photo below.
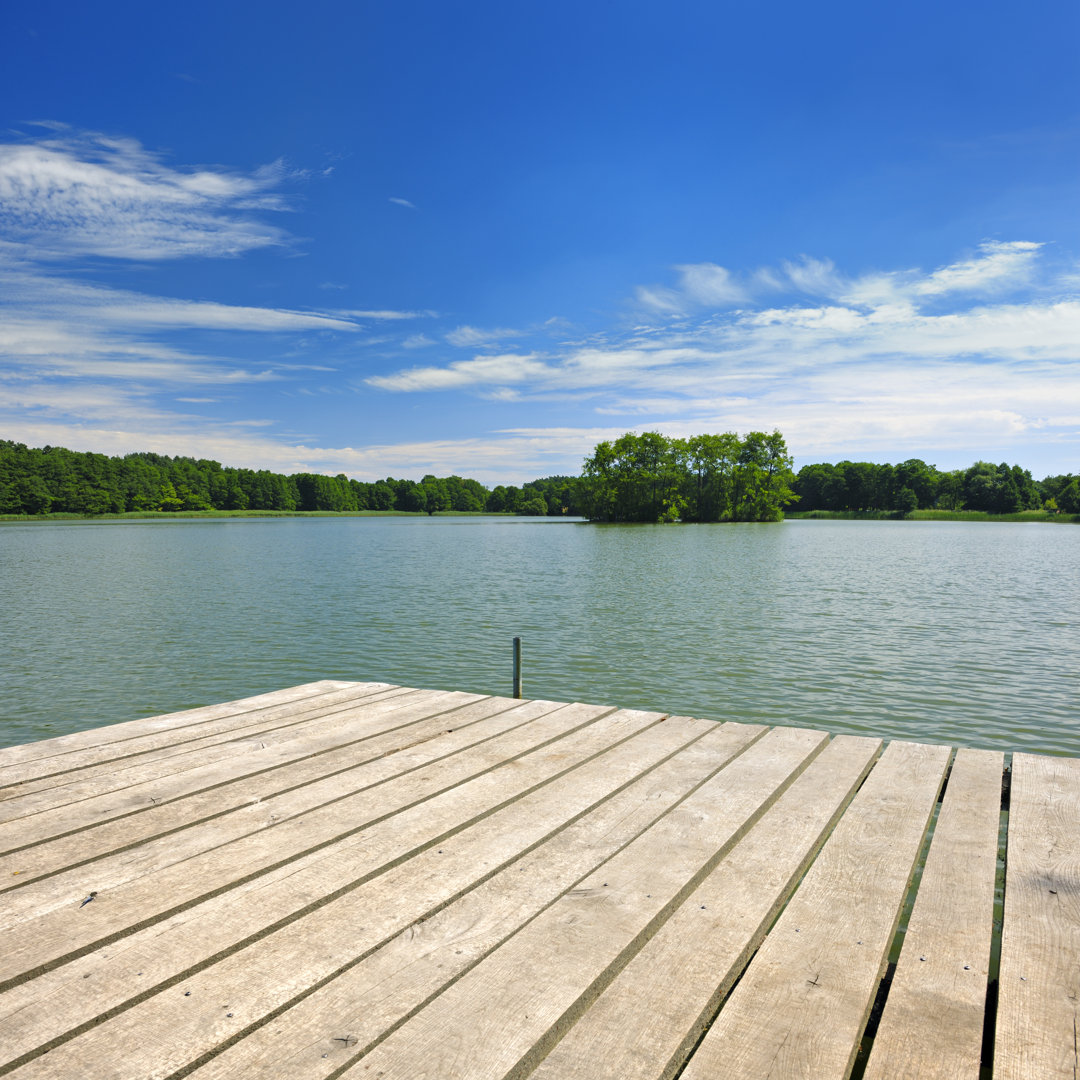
(914, 485)
(58, 481)
(636, 477)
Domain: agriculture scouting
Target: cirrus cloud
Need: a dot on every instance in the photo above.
(76, 194)
(980, 352)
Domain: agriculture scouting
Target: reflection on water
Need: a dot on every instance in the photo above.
(942, 631)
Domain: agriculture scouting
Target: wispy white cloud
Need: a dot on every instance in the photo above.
(133, 310)
(705, 285)
(74, 330)
(401, 202)
(995, 268)
(818, 277)
(472, 337)
(659, 299)
(75, 302)
(386, 316)
(875, 317)
(711, 285)
(875, 361)
(77, 194)
(69, 195)
(998, 266)
(483, 370)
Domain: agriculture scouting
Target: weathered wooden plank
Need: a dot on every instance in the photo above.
(170, 776)
(644, 1025)
(801, 1005)
(1039, 983)
(170, 765)
(277, 966)
(432, 799)
(368, 998)
(366, 941)
(206, 857)
(337, 744)
(219, 923)
(178, 749)
(78, 749)
(506, 1012)
(252, 816)
(932, 1026)
(110, 733)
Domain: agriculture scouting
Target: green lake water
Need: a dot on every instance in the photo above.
(952, 632)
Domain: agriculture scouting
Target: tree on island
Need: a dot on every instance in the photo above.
(649, 477)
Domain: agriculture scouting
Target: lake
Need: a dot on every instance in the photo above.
(955, 632)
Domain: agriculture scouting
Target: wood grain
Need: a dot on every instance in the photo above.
(340, 743)
(185, 1020)
(1037, 1022)
(505, 1013)
(66, 753)
(176, 747)
(369, 999)
(142, 886)
(645, 1024)
(361, 879)
(110, 734)
(932, 1025)
(801, 1005)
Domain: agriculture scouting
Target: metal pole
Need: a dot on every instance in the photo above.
(517, 667)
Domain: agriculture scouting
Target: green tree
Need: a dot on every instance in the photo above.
(411, 497)
(381, 496)
(635, 478)
(950, 493)
(1051, 486)
(906, 502)
(598, 483)
(32, 495)
(513, 499)
(436, 497)
(534, 507)
(708, 462)
(921, 478)
(169, 499)
(1068, 499)
(820, 487)
(763, 478)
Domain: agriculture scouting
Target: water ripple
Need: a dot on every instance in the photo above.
(947, 632)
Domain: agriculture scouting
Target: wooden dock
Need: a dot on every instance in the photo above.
(372, 881)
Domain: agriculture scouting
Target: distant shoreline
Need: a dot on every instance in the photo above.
(172, 515)
(1036, 516)
(1025, 516)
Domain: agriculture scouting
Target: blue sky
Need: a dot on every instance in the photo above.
(398, 238)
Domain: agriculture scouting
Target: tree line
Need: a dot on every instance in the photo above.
(649, 477)
(54, 480)
(636, 477)
(915, 485)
